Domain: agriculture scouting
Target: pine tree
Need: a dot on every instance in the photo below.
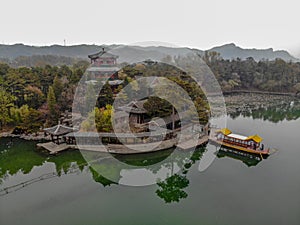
(106, 96)
(57, 87)
(51, 102)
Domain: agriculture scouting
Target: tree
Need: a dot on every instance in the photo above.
(57, 87)
(6, 102)
(33, 121)
(30, 119)
(3, 69)
(51, 102)
(103, 118)
(105, 96)
(33, 97)
(66, 98)
(47, 75)
(99, 119)
(89, 123)
(78, 70)
(156, 106)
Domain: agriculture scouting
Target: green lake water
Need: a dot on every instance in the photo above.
(63, 190)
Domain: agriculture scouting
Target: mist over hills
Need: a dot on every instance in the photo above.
(130, 54)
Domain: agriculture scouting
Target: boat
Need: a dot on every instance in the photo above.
(249, 144)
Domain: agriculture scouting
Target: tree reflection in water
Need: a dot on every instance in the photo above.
(287, 111)
(19, 156)
(171, 189)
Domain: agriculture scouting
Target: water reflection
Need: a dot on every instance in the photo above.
(20, 157)
(101, 179)
(16, 156)
(249, 160)
(276, 113)
(171, 189)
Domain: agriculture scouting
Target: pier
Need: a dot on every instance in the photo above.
(53, 148)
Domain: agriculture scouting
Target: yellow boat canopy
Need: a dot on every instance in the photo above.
(255, 138)
(224, 131)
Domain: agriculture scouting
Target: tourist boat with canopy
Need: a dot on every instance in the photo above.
(250, 144)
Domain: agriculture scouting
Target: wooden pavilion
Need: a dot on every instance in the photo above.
(57, 132)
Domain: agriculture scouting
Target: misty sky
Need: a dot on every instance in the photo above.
(200, 24)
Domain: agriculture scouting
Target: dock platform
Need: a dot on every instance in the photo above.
(53, 148)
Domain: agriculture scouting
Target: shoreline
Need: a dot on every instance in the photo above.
(234, 102)
(29, 137)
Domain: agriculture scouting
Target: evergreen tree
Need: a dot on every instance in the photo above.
(106, 96)
(51, 102)
(57, 87)
(6, 102)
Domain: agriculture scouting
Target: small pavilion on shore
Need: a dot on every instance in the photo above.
(57, 133)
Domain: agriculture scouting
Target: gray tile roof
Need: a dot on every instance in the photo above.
(59, 130)
(102, 54)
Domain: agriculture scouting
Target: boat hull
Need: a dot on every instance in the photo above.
(240, 148)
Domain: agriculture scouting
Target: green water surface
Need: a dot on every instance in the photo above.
(40, 189)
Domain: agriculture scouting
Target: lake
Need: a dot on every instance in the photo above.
(40, 189)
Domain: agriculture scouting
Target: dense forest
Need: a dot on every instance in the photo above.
(236, 74)
(34, 97)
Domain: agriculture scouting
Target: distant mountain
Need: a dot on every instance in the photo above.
(125, 53)
(132, 54)
(136, 53)
(75, 51)
(230, 51)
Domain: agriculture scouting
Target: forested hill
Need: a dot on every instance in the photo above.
(129, 54)
(75, 51)
(231, 51)
(125, 53)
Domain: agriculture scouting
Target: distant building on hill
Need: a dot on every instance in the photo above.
(103, 68)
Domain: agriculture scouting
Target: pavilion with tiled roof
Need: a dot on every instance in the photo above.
(102, 55)
(58, 131)
(104, 68)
